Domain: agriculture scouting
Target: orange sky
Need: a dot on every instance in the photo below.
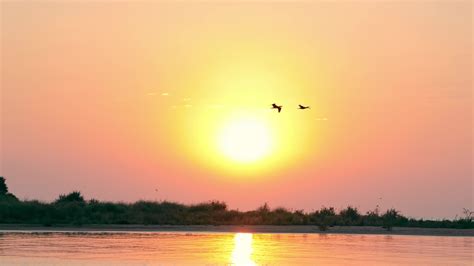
(117, 99)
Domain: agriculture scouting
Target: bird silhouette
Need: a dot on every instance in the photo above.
(274, 106)
(303, 107)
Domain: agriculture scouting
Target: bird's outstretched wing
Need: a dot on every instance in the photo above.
(275, 106)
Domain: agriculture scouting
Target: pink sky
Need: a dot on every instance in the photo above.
(119, 99)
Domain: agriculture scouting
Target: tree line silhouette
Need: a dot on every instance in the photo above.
(73, 209)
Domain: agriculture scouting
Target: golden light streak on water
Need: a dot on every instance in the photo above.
(242, 253)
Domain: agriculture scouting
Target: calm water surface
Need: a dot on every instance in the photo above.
(139, 248)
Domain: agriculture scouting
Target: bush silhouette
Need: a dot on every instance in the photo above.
(323, 218)
(350, 216)
(389, 218)
(3, 186)
(4, 194)
(74, 196)
(72, 209)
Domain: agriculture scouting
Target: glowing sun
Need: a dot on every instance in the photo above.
(245, 140)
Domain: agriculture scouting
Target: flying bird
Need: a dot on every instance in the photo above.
(303, 107)
(274, 106)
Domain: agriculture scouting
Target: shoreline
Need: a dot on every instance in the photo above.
(284, 229)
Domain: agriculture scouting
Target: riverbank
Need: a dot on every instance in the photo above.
(291, 229)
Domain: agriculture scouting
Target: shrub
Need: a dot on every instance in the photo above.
(350, 216)
(389, 218)
(3, 186)
(74, 196)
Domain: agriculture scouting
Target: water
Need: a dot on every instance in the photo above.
(159, 248)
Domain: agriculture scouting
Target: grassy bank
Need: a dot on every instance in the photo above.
(266, 229)
(73, 209)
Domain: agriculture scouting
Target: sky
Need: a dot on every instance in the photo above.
(172, 101)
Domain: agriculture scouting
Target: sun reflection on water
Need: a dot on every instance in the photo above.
(242, 253)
